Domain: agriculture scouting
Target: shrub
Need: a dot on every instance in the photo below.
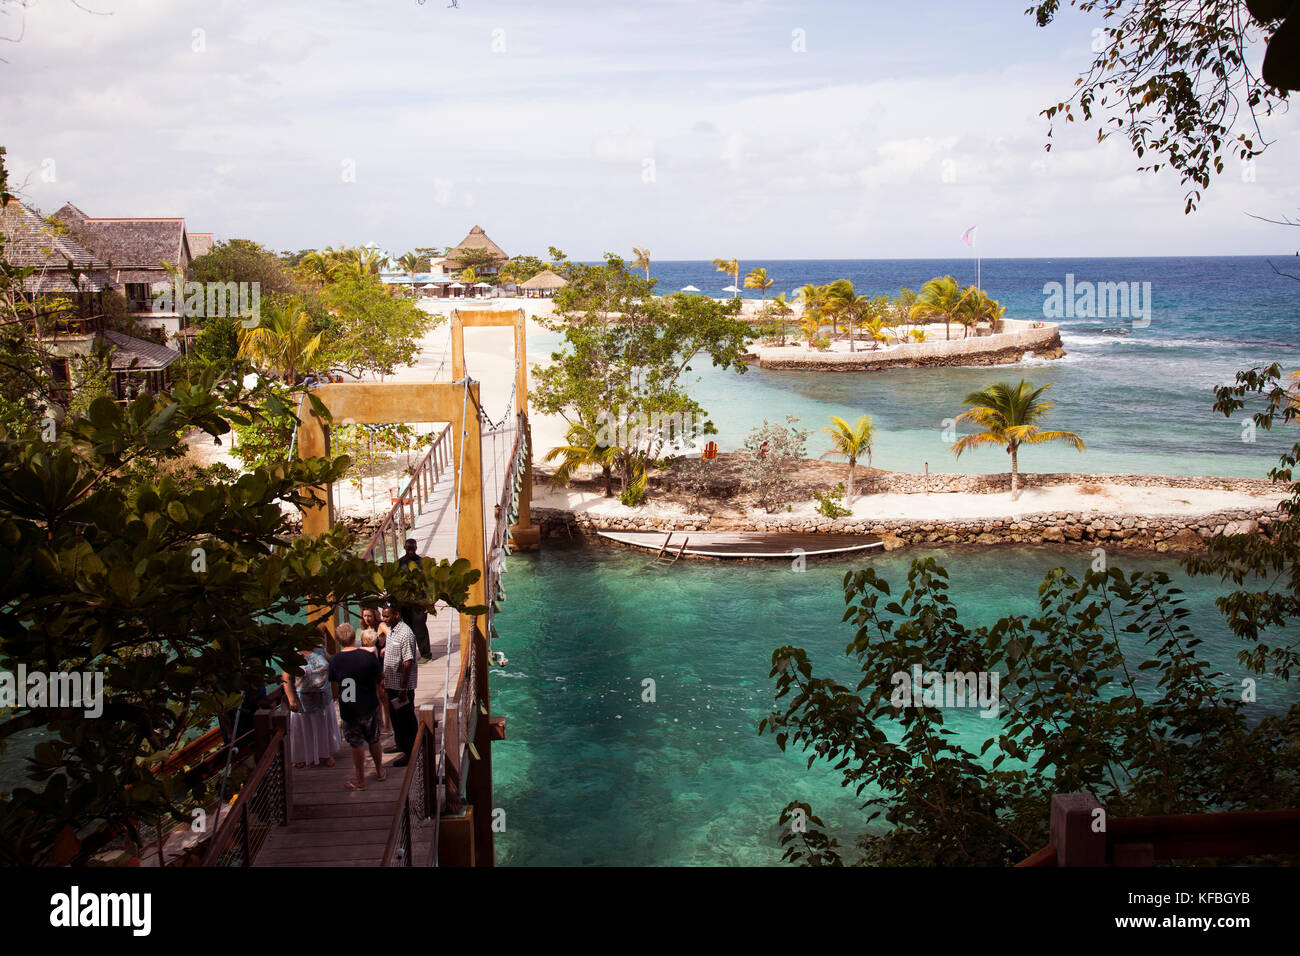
(771, 477)
(831, 503)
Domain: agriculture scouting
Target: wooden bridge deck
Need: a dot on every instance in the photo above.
(332, 826)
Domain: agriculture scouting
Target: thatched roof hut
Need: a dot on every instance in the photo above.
(477, 239)
(544, 283)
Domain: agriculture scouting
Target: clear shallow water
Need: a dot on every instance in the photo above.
(592, 775)
(1141, 400)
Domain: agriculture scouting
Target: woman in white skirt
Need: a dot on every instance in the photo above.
(313, 720)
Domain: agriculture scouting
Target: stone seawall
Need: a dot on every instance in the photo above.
(908, 483)
(1003, 348)
(1177, 534)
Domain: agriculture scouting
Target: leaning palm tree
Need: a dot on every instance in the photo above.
(583, 450)
(1009, 415)
(850, 441)
(939, 299)
(285, 344)
(757, 279)
(732, 268)
(642, 260)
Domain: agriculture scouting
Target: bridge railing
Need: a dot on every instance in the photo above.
(262, 803)
(415, 801)
(1076, 839)
(386, 544)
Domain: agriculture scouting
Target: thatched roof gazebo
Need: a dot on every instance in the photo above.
(543, 284)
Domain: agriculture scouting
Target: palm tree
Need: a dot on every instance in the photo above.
(757, 279)
(1009, 415)
(939, 299)
(840, 299)
(642, 260)
(732, 268)
(285, 344)
(410, 264)
(850, 441)
(813, 298)
(583, 450)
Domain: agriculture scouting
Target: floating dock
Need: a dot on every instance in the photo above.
(743, 544)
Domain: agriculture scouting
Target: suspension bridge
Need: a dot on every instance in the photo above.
(468, 497)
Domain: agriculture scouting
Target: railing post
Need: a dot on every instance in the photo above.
(1078, 830)
(262, 732)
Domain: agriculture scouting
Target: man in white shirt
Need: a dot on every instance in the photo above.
(400, 676)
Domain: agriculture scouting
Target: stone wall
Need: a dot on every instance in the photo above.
(908, 483)
(1159, 533)
(1004, 348)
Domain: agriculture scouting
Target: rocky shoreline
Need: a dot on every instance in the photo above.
(1176, 534)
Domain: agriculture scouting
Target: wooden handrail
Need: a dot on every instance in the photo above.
(1044, 857)
(420, 478)
(1141, 841)
(225, 835)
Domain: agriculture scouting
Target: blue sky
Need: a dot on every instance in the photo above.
(697, 128)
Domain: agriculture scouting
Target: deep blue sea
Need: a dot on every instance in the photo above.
(1139, 396)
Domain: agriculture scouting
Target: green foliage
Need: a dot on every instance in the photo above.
(831, 503)
(243, 260)
(99, 570)
(1148, 729)
(623, 358)
(219, 340)
(368, 330)
(1262, 569)
(1173, 79)
(633, 495)
(264, 436)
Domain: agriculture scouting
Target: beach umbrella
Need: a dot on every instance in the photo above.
(482, 285)
(455, 285)
(731, 288)
(689, 288)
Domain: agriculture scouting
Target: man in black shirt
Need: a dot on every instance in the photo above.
(355, 674)
(415, 617)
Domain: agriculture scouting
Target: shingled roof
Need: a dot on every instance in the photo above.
(31, 241)
(133, 243)
(130, 352)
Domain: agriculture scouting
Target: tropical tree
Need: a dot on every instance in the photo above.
(584, 450)
(285, 344)
(757, 279)
(813, 300)
(1009, 415)
(900, 309)
(410, 264)
(939, 298)
(839, 301)
(642, 260)
(732, 268)
(850, 441)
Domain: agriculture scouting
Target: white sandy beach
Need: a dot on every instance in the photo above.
(1110, 500)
